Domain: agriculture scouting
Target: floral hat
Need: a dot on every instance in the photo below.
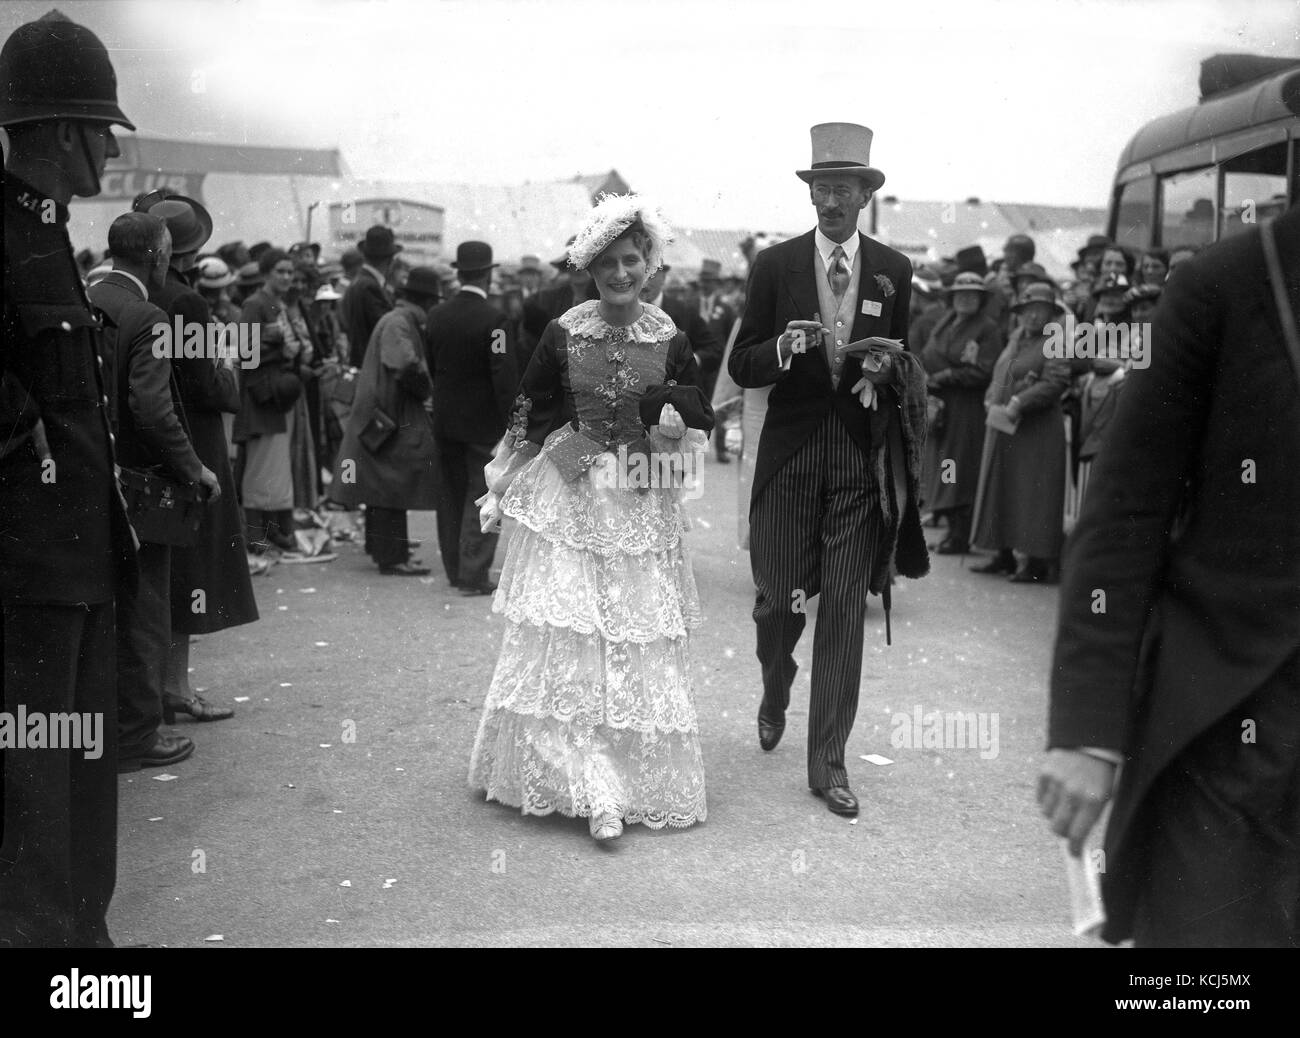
(614, 215)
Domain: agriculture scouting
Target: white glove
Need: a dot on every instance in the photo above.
(866, 391)
(489, 512)
(671, 424)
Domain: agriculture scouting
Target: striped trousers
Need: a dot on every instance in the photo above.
(813, 531)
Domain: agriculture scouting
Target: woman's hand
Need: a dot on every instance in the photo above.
(489, 512)
(671, 424)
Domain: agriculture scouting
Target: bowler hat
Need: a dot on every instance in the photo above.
(1038, 292)
(842, 148)
(379, 243)
(423, 281)
(473, 257)
(189, 223)
(1095, 242)
(1032, 270)
(530, 263)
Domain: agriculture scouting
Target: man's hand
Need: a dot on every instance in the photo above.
(1073, 787)
(671, 424)
(799, 337)
(208, 478)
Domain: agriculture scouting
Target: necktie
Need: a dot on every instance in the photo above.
(838, 274)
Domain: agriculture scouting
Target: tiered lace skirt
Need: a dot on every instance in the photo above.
(591, 707)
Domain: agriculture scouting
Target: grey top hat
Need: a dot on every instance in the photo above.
(842, 148)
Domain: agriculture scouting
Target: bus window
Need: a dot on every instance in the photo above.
(1254, 188)
(1188, 209)
(1136, 201)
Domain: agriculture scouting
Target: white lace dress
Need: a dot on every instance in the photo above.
(591, 707)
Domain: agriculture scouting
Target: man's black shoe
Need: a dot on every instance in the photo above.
(169, 749)
(839, 799)
(404, 569)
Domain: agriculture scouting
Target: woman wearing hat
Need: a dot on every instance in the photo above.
(959, 359)
(1020, 502)
(591, 709)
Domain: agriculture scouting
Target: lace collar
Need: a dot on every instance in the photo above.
(584, 321)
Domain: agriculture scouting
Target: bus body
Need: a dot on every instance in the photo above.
(1208, 171)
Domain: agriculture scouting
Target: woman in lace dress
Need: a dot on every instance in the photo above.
(591, 709)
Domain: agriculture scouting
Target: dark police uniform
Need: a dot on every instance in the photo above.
(64, 545)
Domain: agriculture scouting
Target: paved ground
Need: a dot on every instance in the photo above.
(280, 832)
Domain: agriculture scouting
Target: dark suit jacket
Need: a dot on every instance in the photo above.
(1225, 585)
(148, 426)
(706, 346)
(782, 289)
(361, 307)
(474, 379)
(719, 329)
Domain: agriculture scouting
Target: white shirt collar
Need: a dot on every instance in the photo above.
(144, 292)
(825, 247)
(475, 289)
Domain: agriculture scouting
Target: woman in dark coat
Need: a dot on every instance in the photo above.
(959, 358)
(1020, 503)
(390, 474)
(217, 564)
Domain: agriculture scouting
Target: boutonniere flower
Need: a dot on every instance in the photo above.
(886, 286)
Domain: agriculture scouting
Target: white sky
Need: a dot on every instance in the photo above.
(705, 105)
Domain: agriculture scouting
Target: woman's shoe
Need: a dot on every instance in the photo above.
(1034, 571)
(196, 707)
(952, 546)
(606, 826)
(1003, 562)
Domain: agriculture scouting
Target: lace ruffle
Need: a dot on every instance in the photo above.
(584, 322)
(606, 521)
(625, 598)
(543, 765)
(589, 681)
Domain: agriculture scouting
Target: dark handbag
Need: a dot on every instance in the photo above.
(163, 509)
(377, 432)
(687, 401)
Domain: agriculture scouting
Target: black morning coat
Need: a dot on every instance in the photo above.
(1223, 589)
(472, 360)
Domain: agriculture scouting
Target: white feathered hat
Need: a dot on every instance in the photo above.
(611, 217)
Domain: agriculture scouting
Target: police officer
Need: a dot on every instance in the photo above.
(65, 543)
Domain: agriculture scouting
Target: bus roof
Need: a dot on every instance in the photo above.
(1218, 128)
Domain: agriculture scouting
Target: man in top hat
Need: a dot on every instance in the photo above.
(475, 379)
(834, 500)
(529, 276)
(719, 316)
(67, 546)
(368, 297)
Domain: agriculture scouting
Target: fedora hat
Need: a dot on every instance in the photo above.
(1032, 270)
(967, 281)
(473, 257)
(972, 258)
(1096, 243)
(842, 148)
(379, 243)
(189, 223)
(1038, 292)
(530, 263)
(710, 268)
(250, 275)
(423, 281)
(214, 273)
